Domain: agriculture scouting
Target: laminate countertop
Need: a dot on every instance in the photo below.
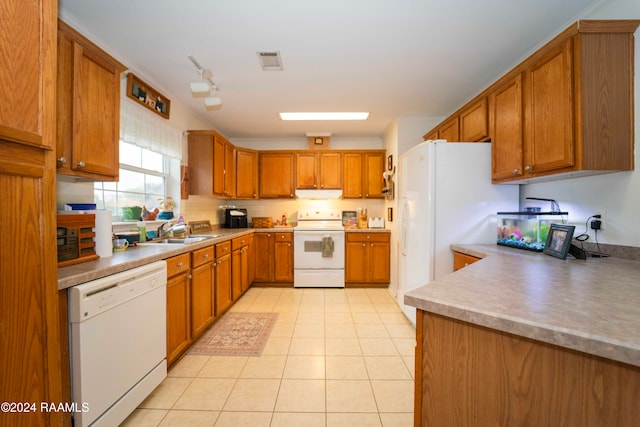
(136, 256)
(592, 305)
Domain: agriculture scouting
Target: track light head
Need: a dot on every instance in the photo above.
(200, 89)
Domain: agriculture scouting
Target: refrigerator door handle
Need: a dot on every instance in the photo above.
(403, 227)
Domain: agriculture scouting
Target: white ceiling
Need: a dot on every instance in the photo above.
(393, 58)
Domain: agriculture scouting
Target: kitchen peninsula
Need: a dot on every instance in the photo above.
(523, 338)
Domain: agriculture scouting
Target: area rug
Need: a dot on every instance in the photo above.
(236, 334)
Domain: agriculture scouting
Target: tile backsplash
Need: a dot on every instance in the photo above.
(204, 207)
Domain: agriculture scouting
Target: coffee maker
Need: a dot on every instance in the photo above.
(235, 218)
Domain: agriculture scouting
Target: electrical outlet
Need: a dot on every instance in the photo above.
(602, 219)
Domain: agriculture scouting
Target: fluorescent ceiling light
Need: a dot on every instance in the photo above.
(324, 116)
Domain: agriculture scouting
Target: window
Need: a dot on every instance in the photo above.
(143, 180)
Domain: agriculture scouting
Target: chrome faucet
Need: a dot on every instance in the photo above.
(176, 228)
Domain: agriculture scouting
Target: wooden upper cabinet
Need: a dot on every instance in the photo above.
(352, 176)
(474, 122)
(246, 174)
(433, 134)
(229, 170)
(548, 100)
(449, 130)
(88, 108)
(26, 72)
(362, 174)
(208, 153)
(506, 127)
(276, 174)
(318, 170)
(374, 166)
(330, 167)
(306, 170)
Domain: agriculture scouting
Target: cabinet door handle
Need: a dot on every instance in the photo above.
(528, 168)
(179, 265)
(289, 244)
(254, 195)
(516, 171)
(291, 195)
(81, 164)
(315, 186)
(282, 237)
(371, 245)
(206, 255)
(364, 244)
(359, 194)
(62, 160)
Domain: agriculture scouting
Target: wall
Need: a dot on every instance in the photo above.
(617, 194)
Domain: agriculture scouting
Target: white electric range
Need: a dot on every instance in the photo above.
(318, 254)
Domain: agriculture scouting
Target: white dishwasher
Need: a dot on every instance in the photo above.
(118, 343)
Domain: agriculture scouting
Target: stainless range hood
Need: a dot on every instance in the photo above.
(318, 194)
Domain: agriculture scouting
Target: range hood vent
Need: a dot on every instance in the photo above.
(318, 194)
(270, 61)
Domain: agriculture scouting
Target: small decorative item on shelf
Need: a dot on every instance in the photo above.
(166, 207)
(148, 215)
(145, 95)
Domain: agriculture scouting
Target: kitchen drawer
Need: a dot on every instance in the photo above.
(239, 242)
(368, 237)
(461, 260)
(202, 256)
(284, 237)
(223, 249)
(178, 264)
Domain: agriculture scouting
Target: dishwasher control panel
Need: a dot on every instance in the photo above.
(95, 297)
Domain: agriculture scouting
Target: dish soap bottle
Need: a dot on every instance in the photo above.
(142, 230)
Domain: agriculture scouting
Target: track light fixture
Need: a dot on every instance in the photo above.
(204, 87)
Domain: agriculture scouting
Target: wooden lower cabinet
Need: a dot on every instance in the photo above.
(178, 306)
(461, 260)
(240, 266)
(469, 375)
(367, 258)
(202, 291)
(223, 295)
(273, 257)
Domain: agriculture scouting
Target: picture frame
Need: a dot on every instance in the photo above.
(350, 219)
(389, 162)
(559, 240)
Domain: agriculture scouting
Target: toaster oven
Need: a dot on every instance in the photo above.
(75, 238)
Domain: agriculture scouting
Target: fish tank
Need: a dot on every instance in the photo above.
(527, 230)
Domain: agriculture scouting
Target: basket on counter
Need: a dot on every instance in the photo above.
(262, 222)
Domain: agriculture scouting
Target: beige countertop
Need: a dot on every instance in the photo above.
(137, 256)
(591, 306)
(367, 230)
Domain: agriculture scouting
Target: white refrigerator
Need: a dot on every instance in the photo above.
(445, 196)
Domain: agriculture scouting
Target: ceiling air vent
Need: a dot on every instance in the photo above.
(270, 61)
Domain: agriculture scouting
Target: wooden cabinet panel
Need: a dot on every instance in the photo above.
(474, 122)
(88, 131)
(273, 257)
(306, 170)
(283, 257)
(548, 94)
(375, 165)
(246, 174)
(33, 337)
(449, 130)
(27, 71)
(431, 135)
(352, 172)
(178, 264)
(330, 170)
(367, 258)
(461, 260)
(178, 316)
(277, 172)
(218, 165)
(223, 296)
(239, 266)
(229, 170)
(506, 126)
(202, 298)
(263, 250)
(492, 369)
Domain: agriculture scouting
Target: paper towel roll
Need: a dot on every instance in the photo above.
(104, 233)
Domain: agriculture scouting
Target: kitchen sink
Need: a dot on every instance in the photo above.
(181, 241)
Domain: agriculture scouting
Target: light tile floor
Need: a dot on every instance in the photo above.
(336, 357)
